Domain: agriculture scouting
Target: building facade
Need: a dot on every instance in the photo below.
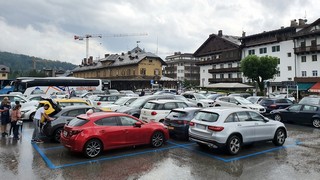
(276, 43)
(219, 59)
(307, 56)
(4, 70)
(135, 69)
(182, 67)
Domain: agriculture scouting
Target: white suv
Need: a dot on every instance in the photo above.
(232, 127)
(157, 110)
(237, 101)
(199, 99)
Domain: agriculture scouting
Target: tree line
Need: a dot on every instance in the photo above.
(23, 65)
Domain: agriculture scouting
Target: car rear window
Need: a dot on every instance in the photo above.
(266, 102)
(207, 116)
(77, 122)
(177, 114)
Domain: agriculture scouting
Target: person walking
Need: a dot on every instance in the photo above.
(5, 115)
(15, 117)
(36, 120)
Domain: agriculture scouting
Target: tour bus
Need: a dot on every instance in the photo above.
(48, 85)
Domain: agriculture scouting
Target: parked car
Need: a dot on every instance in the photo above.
(310, 100)
(123, 101)
(237, 101)
(135, 107)
(274, 103)
(129, 93)
(233, 127)
(244, 95)
(199, 99)
(104, 100)
(255, 99)
(52, 129)
(93, 133)
(157, 110)
(299, 113)
(178, 121)
(214, 96)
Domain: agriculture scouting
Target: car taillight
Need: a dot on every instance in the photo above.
(191, 123)
(153, 113)
(215, 128)
(74, 132)
(182, 122)
(98, 103)
(273, 106)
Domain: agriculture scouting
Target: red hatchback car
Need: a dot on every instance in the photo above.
(92, 133)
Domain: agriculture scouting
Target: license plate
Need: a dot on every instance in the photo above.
(170, 127)
(200, 126)
(65, 133)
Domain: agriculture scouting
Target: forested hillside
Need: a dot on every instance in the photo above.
(21, 65)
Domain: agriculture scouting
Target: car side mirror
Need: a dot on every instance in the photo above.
(137, 124)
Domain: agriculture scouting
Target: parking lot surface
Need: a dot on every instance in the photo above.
(297, 159)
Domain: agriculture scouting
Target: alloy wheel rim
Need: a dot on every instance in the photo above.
(58, 135)
(234, 145)
(316, 123)
(277, 117)
(157, 139)
(280, 137)
(93, 149)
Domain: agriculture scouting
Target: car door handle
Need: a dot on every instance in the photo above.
(239, 125)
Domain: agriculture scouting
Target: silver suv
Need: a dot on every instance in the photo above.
(232, 127)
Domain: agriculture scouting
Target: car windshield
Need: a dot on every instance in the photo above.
(200, 96)
(150, 105)
(137, 103)
(121, 101)
(206, 116)
(310, 100)
(242, 100)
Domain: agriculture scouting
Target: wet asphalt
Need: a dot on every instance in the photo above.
(299, 158)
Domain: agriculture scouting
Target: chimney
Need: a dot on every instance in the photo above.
(220, 33)
(243, 34)
(301, 22)
(85, 61)
(90, 61)
(106, 55)
(293, 23)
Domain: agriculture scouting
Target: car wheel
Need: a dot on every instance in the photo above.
(157, 139)
(279, 137)
(316, 123)
(56, 134)
(277, 117)
(200, 105)
(233, 144)
(32, 116)
(92, 148)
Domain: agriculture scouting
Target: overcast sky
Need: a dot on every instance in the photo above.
(46, 28)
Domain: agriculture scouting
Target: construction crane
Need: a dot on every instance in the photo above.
(87, 36)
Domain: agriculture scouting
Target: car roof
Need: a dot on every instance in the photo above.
(97, 115)
(187, 109)
(225, 110)
(162, 101)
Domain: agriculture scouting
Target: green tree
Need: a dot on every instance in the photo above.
(259, 69)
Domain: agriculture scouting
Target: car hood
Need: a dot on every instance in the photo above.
(125, 109)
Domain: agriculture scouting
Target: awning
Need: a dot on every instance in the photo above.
(315, 88)
(303, 86)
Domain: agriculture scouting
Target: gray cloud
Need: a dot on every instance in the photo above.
(45, 28)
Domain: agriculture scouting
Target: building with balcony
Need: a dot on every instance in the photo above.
(307, 56)
(136, 69)
(182, 67)
(276, 43)
(219, 59)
